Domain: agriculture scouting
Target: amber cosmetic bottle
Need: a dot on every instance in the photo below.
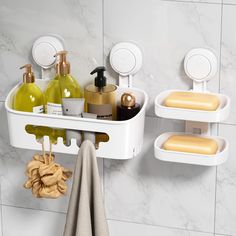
(128, 107)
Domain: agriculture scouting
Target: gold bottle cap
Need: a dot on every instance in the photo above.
(63, 67)
(28, 76)
(128, 100)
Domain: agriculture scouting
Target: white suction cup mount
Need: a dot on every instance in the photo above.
(43, 51)
(200, 65)
(126, 60)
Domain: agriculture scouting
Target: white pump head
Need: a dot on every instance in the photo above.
(200, 65)
(43, 51)
(126, 60)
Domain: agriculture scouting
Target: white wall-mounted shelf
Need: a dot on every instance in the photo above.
(194, 115)
(191, 158)
(200, 65)
(125, 137)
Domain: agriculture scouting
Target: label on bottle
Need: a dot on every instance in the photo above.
(54, 109)
(104, 111)
(38, 109)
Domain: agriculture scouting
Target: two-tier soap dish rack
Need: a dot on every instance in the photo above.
(125, 137)
(200, 65)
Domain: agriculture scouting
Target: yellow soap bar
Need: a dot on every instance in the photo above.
(191, 144)
(195, 101)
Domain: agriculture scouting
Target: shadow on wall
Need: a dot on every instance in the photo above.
(145, 167)
(182, 76)
(150, 167)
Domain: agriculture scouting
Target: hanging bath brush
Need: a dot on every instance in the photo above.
(45, 177)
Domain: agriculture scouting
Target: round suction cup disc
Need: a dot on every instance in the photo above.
(126, 58)
(200, 64)
(45, 48)
(124, 61)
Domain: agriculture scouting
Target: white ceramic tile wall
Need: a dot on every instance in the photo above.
(118, 228)
(165, 31)
(143, 196)
(228, 69)
(160, 193)
(78, 22)
(229, 2)
(199, 1)
(28, 222)
(226, 187)
(222, 235)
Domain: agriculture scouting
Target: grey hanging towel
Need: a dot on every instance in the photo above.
(86, 213)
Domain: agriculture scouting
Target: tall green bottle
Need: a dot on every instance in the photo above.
(53, 104)
(69, 86)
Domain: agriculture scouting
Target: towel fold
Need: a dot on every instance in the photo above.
(86, 213)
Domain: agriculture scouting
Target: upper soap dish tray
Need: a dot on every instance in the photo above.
(191, 158)
(125, 137)
(218, 115)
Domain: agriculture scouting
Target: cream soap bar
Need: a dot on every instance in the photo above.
(191, 144)
(194, 101)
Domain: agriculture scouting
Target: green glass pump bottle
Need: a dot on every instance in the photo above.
(53, 104)
(69, 86)
(53, 96)
(29, 98)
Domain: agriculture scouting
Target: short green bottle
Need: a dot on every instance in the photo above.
(29, 98)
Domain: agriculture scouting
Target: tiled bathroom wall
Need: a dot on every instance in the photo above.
(143, 196)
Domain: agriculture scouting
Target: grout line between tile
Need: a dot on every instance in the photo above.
(103, 43)
(182, 1)
(103, 59)
(191, 1)
(230, 124)
(218, 125)
(221, 37)
(228, 4)
(29, 208)
(224, 234)
(216, 172)
(162, 226)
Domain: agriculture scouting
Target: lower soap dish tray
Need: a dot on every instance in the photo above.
(125, 137)
(194, 115)
(191, 158)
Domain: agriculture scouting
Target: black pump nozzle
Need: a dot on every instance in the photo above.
(100, 80)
